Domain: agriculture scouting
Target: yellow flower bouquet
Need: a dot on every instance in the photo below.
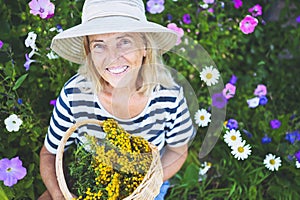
(121, 166)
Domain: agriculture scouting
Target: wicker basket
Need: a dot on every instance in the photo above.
(147, 190)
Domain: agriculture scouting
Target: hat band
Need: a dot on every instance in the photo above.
(103, 15)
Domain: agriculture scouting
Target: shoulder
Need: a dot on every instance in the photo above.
(77, 83)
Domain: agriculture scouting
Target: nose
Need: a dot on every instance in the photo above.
(113, 54)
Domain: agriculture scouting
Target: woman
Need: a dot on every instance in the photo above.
(121, 77)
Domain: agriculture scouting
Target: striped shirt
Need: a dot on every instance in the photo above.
(165, 119)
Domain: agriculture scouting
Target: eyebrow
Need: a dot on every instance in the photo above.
(119, 37)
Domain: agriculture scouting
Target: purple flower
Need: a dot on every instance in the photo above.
(233, 79)
(186, 18)
(263, 100)
(1, 44)
(209, 1)
(261, 90)
(248, 24)
(28, 62)
(53, 102)
(229, 91)
(211, 10)
(298, 19)
(43, 8)
(218, 100)
(237, 3)
(179, 31)
(297, 155)
(155, 6)
(266, 139)
(11, 171)
(232, 124)
(256, 10)
(293, 136)
(275, 124)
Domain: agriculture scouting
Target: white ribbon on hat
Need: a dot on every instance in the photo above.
(111, 8)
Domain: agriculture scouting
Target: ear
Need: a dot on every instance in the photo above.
(145, 52)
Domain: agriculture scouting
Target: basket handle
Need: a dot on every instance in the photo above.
(59, 156)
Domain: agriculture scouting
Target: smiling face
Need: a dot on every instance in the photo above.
(118, 57)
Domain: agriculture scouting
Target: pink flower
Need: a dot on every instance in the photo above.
(209, 1)
(261, 90)
(256, 10)
(178, 30)
(237, 3)
(229, 90)
(248, 24)
(43, 8)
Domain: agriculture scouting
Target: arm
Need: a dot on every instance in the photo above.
(47, 170)
(173, 159)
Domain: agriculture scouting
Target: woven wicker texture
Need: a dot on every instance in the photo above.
(147, 190)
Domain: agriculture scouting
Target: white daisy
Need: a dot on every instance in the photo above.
(203, 170)
(232, 136)
(202, 117)
(210, 75)
(241, 150)
(13, 123)
(297, 164)
(271, 162)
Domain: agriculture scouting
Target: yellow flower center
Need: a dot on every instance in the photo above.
(202, 117)
(233, 137)
(240, 149)
(209, 75)
(272, 162)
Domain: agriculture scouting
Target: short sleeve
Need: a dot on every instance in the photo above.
(180, 128)
(60, 122)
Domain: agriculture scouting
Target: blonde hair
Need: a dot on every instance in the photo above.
(153, 72)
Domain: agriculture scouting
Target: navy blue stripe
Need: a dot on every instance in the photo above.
(60, 115)
(162, 99)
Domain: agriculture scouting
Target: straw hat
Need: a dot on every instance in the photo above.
(109, 16)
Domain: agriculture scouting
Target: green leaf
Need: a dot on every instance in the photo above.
(20, 81)
(2, 194)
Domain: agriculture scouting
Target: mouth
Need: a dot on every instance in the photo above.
(117, 69)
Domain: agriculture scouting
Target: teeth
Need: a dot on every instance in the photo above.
(117, 70)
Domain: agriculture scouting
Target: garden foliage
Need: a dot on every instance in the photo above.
(265, 54)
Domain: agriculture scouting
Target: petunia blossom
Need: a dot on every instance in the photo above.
(232, 124)
(11, 171)
(237, 3)
(266, 139)
(263, 100)
(1, 44)
(233, 79)
(261, 90)
(248, 24)
(292, 137)
(179, 31)
(253, 103)
(297, 155)
(53, 102)
(256, 10)
(28, 62)
(43, 8)
(298, 19)
(155, 6)
(209, 1)
(13, 123)
(229, 91)
(186, 18)
(218, 100)
(275, 124)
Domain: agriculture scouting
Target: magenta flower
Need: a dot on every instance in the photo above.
(261, 90)
(248, 24)
(186, 18)
(218, 100)
(11, 171)
(1, 44)
(43, 8)
(229, 91)
(237, 3)
(28, 62)
(256, 10)
(53, 102)
(178, 30)
(155, 6)
(275, 123)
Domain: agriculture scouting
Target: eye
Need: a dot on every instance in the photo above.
(125, 43)
(98, 47)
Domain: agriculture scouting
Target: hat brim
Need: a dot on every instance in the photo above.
(69, 43)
